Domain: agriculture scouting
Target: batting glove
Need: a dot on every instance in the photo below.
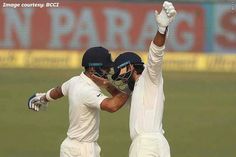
(35, 102)
(166, 16)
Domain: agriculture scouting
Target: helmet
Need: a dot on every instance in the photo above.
(123, 60)
(97, 57)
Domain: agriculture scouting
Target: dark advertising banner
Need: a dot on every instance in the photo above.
(78, 25)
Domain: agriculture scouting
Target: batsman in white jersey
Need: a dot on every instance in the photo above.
(146, 84)
(85, 102)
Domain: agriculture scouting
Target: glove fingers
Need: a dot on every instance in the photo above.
(31, 104)
(172, 13)
(167, 4)
(165, 17)
(33, 107)
(169, 8)
(37, 106)
(34, 102)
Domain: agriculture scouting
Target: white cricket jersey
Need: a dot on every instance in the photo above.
(147, 101)
(85, 98)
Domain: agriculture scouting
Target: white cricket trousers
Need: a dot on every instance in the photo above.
(74, 148)
(149, 145)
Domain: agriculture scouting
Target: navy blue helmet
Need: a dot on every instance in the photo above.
(123, 60)
(99, 58)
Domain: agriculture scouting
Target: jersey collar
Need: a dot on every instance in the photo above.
(88, 80)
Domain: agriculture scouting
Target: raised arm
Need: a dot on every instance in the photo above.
(156, 50)
(159, 39)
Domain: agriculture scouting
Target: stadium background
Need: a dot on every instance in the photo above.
(42, 47)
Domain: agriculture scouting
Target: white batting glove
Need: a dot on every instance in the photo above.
(36, 103)
(166, 16)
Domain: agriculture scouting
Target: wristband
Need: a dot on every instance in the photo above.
(162, 30)
(48, 97)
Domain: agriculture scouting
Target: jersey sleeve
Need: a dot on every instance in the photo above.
(65, 87)
(94, 99)
(154, 63)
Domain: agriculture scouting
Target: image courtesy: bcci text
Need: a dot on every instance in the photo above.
(30, 5)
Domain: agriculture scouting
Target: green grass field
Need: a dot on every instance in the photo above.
(199, 118)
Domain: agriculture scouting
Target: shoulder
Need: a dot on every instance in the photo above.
(144, 73)
(75, 80)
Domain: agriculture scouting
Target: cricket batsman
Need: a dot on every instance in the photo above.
(86, 100)
(146, 84)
